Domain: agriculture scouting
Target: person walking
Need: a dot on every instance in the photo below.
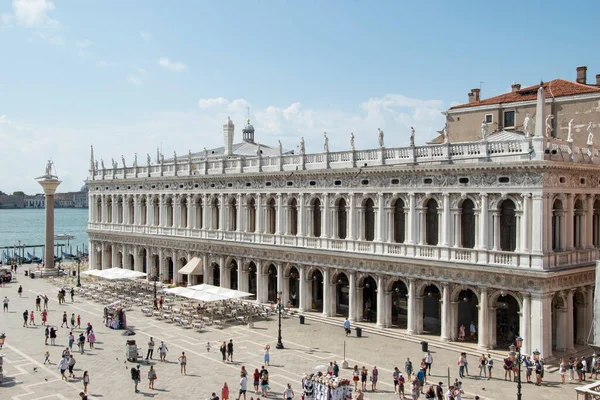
(31, 318)
(288, 392)
(507, 368)
(47, 335)
(490, 366)
(256, 380)
(151, 377)
(73, 321)
(395, 376)
(86, 381)
(71, 340)
(183, 362)
(47, 357)
(461, 366)
(473, 330)
(78, 321)
(538, 373)
(62, 367)
(91, 339)
(45, 302)
(244, 386)
(150, 349)
(5, 303)
(44, 317)
(25, 316)
(38, 304)
(528, 368)
(72, 295)
(482, 365)
(428, 362)
(162, 351)
(64, 320)
(53, 336)
(225, 391)
(20, 291)
(408, 368)
(81, 343)
(264, 382)
(223, 350)
(267, 356)
(71, 365)
(355, 377)
(230, 350)
(135, 377)
(347, 327)
(561, 370)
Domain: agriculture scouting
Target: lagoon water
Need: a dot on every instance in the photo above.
(28, 226)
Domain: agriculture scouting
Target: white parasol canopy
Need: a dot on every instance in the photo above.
(193, 267)
(228, 293)
(195, 294)
(114, 273)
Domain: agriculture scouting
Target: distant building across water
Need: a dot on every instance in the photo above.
(62, 200)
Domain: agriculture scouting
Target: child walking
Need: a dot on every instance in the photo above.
(225, 392)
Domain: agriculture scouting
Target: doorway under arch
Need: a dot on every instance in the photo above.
(432, 320)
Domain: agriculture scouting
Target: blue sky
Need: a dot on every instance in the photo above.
(129, 76)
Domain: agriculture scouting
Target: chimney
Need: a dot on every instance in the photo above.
(515, 87)
(476, 93)
(598, 80)
(471, 97)
(581, 74)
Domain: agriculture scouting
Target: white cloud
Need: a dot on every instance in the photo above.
(134, 80)
(139, 70)
(105, 64)
(33, 12)
(208, 103)
(54, 40)
(146, 36)
(177, 66)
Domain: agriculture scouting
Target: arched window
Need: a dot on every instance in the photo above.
(199, 223)
(271, 216)
(215, 215)
(342, 216)
(467, 224)
(233, 215)
(399, 222)
(109, 216)
(578, 224)
(99, 210)
(251, 216)
(508, 226)
(131, 211)
(293, 217)
(120, 210)
(169, 212)
(143, 211)
(369, 220)
(431, 222)
(316, 217)
(557, 225)
(183, 213)
(596, 224)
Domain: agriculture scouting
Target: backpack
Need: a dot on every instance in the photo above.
(134, 374)
(430, 392)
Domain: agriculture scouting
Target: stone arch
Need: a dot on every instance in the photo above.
(505, 321)
(398, 288)
(292, 273)
(315, 278)
(369, 219)
(399, 206)
(292, 204)
(340, 282)
(341, 213)
(432, 221)
(367, 297)
(315, 204)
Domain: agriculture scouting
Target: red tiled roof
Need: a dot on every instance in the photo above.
(556, 88)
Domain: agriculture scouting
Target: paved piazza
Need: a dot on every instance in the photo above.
(307, 346)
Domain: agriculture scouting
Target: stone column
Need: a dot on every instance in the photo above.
(525, 327)
(580, 310)
(445, 223)
(302, 288)
(445, 312)
(49, 184)
(260, 282)
(411, 307)
(381, 309)
(222, 206)
(589, 312)
(325, 233)
(351, 217)
(279, 214)
(526, 229)
(352, 297)
(496, 230)
(541, 324)
(360, 303)
(380, 219)
(301, 215)
(412, 215)
(570, 320)
(569, 223)
(422, 227)
(483, 227)
(560, 316)
(326, 293)
(238, 214)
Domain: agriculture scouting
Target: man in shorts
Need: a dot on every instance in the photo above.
(230, 350)
(395, 376)
(5, 302)
(243, 386)
(135, 377)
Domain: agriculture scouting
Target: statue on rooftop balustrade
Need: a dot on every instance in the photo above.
(352, 141)
(302, 149)
(326, 144)
(484, 129)
(135, 160)
(380, 137)
(590, 130)
(570, 131)
(549, 128)
(123, 161)
(412, 136)
(528, 125)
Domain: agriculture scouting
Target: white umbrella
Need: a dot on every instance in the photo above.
(229, 293)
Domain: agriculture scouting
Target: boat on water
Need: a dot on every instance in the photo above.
(63, 236)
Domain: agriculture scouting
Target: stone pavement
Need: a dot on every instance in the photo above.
(306, 347)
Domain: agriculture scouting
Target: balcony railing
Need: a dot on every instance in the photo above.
(588, 392)
(439, 253)
(466, 152)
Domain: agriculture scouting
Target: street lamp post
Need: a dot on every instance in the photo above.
(155, 278)
(279, 344)
(519, 360)
(78, 273)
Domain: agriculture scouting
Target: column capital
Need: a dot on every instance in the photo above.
(483, 195)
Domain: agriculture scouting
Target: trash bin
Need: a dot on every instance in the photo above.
(74, 273)
(302, 320)
(358, 332)
(32, 275)
(424, 347)
(26, 273)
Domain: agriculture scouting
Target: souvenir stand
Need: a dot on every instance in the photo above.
(114, 316)
(324, 387)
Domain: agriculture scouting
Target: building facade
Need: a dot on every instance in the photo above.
(35, 201)
(421, 238)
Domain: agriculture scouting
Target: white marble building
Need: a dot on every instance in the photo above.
(500, 232)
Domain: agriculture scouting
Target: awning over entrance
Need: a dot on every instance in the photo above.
(193, 267)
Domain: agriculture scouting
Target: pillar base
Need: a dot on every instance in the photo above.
(250, 325)
(410, 332)
(445, 339)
